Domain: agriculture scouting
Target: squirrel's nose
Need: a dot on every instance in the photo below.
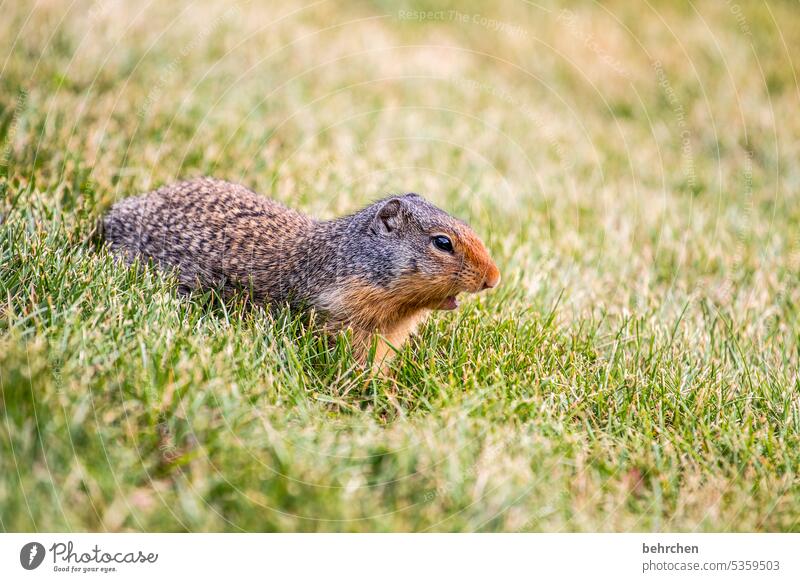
(491, 280)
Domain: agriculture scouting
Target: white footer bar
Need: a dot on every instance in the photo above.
(387, 557)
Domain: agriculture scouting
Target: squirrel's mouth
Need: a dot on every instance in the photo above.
(450, 302)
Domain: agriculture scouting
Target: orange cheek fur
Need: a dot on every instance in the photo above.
(377, 311)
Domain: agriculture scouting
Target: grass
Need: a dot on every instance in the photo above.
(632, 167)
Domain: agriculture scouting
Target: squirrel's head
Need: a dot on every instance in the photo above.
(433, 256)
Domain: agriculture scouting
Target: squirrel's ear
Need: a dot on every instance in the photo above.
(389, 217)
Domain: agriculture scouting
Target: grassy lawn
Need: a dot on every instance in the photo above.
(633, 168)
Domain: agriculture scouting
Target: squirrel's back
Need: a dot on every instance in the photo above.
(216, 233)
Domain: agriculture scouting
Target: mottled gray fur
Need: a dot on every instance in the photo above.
(219, 234)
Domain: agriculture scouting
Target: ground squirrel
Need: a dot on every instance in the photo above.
(379, 271)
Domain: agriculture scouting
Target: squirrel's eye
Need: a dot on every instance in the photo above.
(442, 243)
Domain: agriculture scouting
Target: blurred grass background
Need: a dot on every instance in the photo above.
(632, 167)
